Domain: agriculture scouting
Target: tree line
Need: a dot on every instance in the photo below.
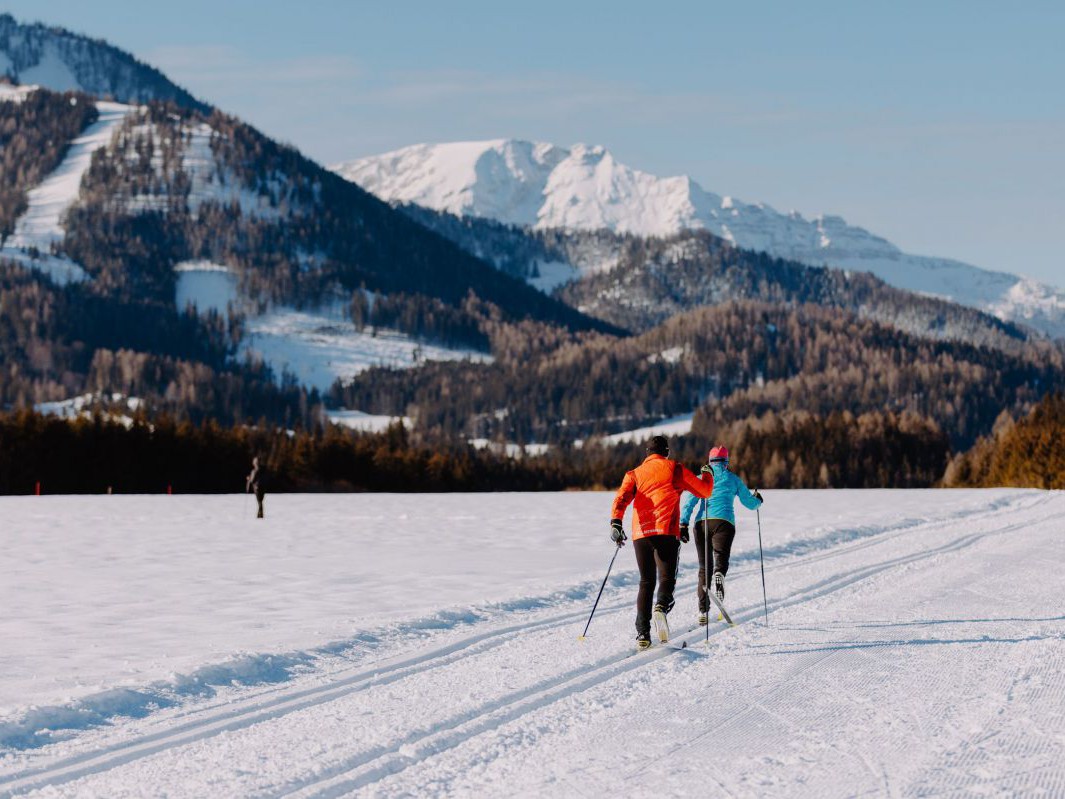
(106, 452)
(1024, 452)
(100, 454)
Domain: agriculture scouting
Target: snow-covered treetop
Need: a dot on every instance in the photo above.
(62, 61)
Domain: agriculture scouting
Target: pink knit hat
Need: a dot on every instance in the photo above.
(718, 453)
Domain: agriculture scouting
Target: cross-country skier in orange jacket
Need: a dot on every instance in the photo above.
(654, 489)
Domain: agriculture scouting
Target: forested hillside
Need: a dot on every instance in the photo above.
(637, 283)
(177, 185)
(58, 342)
(1027, 452)
(60, 60)
(734, 362)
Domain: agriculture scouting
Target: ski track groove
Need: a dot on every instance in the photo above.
(253, 710)
(529, 699)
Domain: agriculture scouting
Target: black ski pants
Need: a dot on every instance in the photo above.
(656, 557)
(720, 533)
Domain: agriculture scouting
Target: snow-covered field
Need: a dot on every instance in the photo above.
(390, 645)
(319, 347)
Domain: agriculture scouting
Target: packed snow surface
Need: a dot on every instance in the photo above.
(41, 226)
(398, 645)
(583, 187)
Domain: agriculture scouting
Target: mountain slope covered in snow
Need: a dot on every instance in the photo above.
(543, 186)
(151, 207)
(62, 61)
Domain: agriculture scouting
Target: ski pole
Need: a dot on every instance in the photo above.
(706, 568)
(608, 568)
(761, 561)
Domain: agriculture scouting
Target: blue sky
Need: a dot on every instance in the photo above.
(938, 125)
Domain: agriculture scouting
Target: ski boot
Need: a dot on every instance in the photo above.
(661, 625)
(643, 641)
(704, 619)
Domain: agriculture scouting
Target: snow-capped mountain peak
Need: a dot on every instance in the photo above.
(584, 187)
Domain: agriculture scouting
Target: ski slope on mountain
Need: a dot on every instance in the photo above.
(915, 647)
(41, 226)
(584, 187)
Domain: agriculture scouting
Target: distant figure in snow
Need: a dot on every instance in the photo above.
(654, 489)
(716, 521)
(257, 483)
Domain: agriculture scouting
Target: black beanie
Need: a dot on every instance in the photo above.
(659, 445)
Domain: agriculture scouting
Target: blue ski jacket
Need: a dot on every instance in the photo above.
(727, 487)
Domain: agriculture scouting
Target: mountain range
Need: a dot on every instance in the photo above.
(539, 186)
(154, 248)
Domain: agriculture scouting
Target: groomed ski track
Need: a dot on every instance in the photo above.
(919, 660)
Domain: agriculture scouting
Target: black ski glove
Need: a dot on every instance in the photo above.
(757, 496)
(617, 532)
(684, 537)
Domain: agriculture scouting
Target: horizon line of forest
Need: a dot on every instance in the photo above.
(99, 455)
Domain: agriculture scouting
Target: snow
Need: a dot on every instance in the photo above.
(215, 182)
(584, 187)
(320, 346)
(9, 93)
(317, 345)
(51, 71)
(552, 275)
(674, 426)
(365, 422)
(510, 449)
(208, 286)
(113, 407)
(41, 225)
(670, 355)
(914, 648)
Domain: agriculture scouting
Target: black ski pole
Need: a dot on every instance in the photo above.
(761, 561)
(608, 568)
(706, 568)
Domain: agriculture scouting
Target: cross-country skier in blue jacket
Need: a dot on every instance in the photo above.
(716, 521)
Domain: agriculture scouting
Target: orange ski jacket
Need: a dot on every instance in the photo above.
(654, 487)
